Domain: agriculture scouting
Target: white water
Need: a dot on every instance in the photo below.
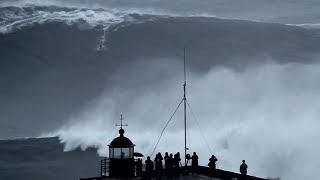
(307, 25)
(267, 114)
(286, 11)
(84, 18)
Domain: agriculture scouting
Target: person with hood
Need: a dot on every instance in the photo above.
(212, 162)
(194, 162)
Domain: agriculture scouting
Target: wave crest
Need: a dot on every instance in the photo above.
(14, 18)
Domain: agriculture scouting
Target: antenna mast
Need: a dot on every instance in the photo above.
(184, 103)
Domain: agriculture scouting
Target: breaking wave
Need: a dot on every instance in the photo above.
(266, 114)
(18, 17)
(253, 86)
(307, 25)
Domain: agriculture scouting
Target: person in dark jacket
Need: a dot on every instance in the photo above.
(158, 162)
(176, 164)
(149, 167)
(195, 159)
(170, 165)
(166, 160)
(243, 170)
(195, 163)
(188, 158)
(139, 167)
(212, 162)
(171, 161)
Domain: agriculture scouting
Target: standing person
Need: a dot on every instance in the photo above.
(158, 162)
(176, 164)
(139, 167)
(166, 160)
(195, 163)
(176, 160)
(170, 165)
(243, 170)
(179, 159)
(149, 167)
(212, 162)
(188, 158)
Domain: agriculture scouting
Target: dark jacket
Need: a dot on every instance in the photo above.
(149, 165)
(243, 168)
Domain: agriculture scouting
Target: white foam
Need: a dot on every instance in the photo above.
(93, 16)
(90, 17)
(307, 25)
(266, 114)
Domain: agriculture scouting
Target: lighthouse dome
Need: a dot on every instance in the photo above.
(121, 141)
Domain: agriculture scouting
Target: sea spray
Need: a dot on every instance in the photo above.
(266, 114)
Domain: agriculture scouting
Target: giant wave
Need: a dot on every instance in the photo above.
(70, 72)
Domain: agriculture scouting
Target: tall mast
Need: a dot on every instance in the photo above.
(184, 103)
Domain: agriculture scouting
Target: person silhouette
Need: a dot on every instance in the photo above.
(179, 159)
(166, 160)
(139, 167)
(149, 167)
(243, 170)
(158, 161)
(194, 159)
(170, 165)
(176, 163)
(212, 162)
(188, 158)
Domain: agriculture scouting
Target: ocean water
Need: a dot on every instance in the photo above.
(70, 68)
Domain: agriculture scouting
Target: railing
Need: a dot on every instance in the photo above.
(104, 170)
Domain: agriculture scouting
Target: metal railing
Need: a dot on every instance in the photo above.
(104, 170)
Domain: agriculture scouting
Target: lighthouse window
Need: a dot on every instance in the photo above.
(125, 153)
(121, 153)
(131, 152)
(117, 153)
(110, 152)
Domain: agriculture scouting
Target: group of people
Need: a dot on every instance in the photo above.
(173, 162)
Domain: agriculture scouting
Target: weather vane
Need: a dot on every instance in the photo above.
(121, 119)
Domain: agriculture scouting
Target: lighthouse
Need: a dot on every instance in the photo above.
(121, 160)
